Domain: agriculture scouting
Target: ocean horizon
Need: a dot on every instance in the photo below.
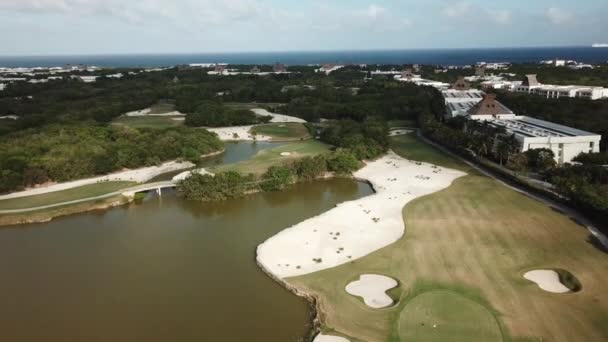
(460, 56)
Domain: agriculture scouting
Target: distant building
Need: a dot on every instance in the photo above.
(279, 68)
(255, 70)
(2, 86)
(461, 84)
(459, 102)
(531, 85)
(489, 108)
(220, 69)
(407, 74)
(480, 70)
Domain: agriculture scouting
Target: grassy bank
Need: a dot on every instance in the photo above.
(49, 214)
(267, 158)
(467, 247)
(291, 131)
(85, 191)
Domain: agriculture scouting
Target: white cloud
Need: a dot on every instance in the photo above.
(466, 11)
(456, 9)
(558, 16)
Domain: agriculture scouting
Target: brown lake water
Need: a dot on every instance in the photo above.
(163, 270)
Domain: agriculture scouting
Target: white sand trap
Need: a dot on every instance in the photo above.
(547, 280)
(237, 133)
(277, 117)
(187, 174)
(354, 229)
(285, 154)
(328, 338)
(398, 132)
(372, 288)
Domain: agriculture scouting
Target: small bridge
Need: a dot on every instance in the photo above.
(158, 186)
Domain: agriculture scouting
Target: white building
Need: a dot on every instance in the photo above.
(531, 85)
(459, 102)
(2, 86)
(408, 76)
(565, 142)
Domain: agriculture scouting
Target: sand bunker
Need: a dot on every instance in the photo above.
(238, 133)
(328, 338)
(354, 229)
(277, 117)
(547, 280)
(187, 174)
(285, 154)
(372, 288)
(398, 132)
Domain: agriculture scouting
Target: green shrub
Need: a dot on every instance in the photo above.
(276, 178)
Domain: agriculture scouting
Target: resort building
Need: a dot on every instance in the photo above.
(565, 142)
(255, 70)
(458, 102)
(531, 85)
(408, 76)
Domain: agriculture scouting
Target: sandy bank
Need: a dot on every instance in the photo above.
(238, 133)
(354, 229)
(146, 112)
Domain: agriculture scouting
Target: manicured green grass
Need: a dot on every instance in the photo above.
(410, 147)
(475, 239)
(439, 316)
(148, 121)
(267, 158)
(283, 131)
(85, 191)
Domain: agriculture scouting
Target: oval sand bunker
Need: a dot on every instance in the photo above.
(285, 154)
(372, 288)
(547, 280)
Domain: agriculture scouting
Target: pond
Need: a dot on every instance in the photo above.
(162, 270)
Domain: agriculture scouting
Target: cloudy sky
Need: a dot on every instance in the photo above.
(166, 26)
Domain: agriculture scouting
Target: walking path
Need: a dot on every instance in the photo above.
(573, 214)
(127, 192)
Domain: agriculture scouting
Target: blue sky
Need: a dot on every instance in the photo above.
(168, 26)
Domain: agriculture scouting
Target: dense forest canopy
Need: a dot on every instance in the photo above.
(67, 152)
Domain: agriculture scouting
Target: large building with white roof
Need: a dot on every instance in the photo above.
(531, 85)
(565, 142)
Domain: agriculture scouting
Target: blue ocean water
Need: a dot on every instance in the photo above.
(434, 56)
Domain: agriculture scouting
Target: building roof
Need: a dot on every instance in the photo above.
(530, 81)
(461, 84)
(534, 128)
(489, 106)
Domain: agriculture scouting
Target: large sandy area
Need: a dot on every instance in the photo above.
(357, 228)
